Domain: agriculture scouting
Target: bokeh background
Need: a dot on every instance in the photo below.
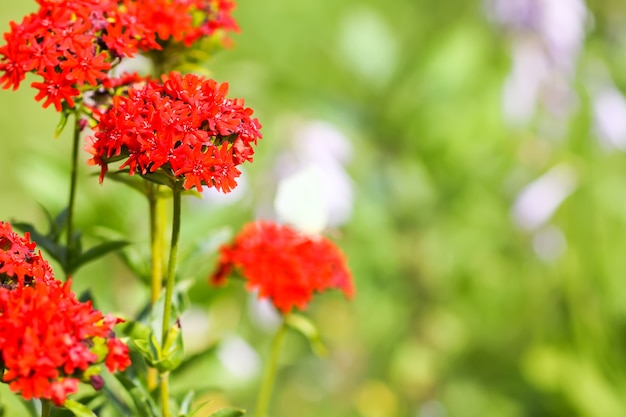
(470, 160)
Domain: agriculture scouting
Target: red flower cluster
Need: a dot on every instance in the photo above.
(284, 265)
(72, 43)
(49, 341)
(185, 126)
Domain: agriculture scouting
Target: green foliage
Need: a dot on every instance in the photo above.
(308, 329)
(455, 313)
(228, 412)
(78, 409)
(52, 244)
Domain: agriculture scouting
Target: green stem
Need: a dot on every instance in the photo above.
(169, 291)
(157, 228)
(46, 408)
(171, 267)
(265, 392)
(165, 394)
(156, 241)
(72, 197)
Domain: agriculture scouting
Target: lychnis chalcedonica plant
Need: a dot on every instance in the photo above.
(166, 133)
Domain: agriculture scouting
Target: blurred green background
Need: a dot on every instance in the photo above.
(484, 217)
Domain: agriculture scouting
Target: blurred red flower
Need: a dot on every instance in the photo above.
(284, 265)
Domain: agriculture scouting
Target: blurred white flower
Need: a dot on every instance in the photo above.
(196, 329)
(239, 358)
(549, 243)
(546, 39)
(263, 313)
(536, 203)
(314, 190)
(300, 200)
(521, 89)
(609, 111)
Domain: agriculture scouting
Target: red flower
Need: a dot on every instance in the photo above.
(48, 338)
(284, 265)
(70, 43)
(56, 89)
(19, 264)
(185, 126)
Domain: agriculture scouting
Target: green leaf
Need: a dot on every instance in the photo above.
(54, 249)
(98, 251)
(172, 353)
(141, 398)
(85, 296)
(30, 406)
(149, 348)
(133, 181)
(76, 250)
(229, 412)
(79, 410)
(185, 405)
(56, 225)
(62, 123)
(161, 178)
(307, 328)
(134, 258)
(133, 329)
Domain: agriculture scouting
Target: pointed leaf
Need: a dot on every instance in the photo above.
(55, 250)
(30, 406)
(185, 405)
(137, 262)
(229, 412)
(58, 225)
(133, 181)
(76, 250)
(141, 398)
(149, 349)
(172, 353)
(85, 296)
(160, 178)
(98, 251)
(62, 123)
(307, 328)
(79, 410)
(134, 329)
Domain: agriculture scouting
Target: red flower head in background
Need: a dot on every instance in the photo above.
(49, 340)
(284, 265)
(185, 126)
(72, 44)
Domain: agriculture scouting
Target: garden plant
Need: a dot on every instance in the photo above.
(167, 131)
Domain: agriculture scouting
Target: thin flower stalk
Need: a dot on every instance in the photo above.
(169, 292)
(269, 376)
(72, 194)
